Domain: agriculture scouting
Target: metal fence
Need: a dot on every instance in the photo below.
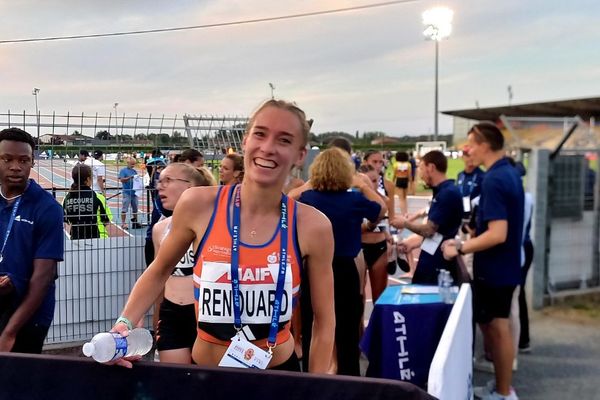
(564, 181)
(97, 275)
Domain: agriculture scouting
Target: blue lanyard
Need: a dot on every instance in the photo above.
(235, 262)
(13, 215)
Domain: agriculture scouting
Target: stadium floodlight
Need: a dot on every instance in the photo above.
(272, 90)
(438, 25)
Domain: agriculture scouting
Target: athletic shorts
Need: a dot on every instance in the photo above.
(402, 183)
(292, 364)
(372, 252)
(491, 302)
(176, 327)
(129, 199)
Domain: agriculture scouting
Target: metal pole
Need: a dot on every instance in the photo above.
(116, 124)
(435, 129)
(37, 114)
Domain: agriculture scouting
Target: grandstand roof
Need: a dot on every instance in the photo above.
(585, 108)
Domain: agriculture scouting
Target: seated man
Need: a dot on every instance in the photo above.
(443, 220)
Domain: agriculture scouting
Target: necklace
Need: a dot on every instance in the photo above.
(9, 198)
(252, 233)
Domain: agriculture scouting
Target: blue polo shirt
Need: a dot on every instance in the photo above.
(37, 233)
(346, 211)
(446, 212)
(502, 198)
(127, 185)
(470, 184)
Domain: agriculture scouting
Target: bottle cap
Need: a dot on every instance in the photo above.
(88, 349)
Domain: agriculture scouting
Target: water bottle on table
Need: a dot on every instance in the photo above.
(109, 346)
(446, 286)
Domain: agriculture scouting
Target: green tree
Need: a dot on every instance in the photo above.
(103, 135)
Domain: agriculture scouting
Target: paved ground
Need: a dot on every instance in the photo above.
(564, 362)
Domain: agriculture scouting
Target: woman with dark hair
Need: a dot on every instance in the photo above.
(232, 169)
(332, 174)
(82, 206)
(377, 243)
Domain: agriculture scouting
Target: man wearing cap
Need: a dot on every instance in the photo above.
(98, 171)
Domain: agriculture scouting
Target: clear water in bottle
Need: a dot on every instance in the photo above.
(447, 285)
(108, 346)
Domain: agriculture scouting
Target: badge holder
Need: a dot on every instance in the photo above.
(243, 354)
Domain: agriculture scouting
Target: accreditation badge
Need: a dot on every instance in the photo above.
(243, 354)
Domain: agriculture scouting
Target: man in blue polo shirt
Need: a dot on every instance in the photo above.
(443, 220)
(31, 240)
(469, 182)
(497, 248)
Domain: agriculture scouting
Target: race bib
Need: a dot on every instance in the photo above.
(257, 293)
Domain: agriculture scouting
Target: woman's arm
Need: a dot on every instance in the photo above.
(151, 283)
(370, 194)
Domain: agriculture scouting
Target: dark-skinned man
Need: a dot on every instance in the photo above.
(31, 242)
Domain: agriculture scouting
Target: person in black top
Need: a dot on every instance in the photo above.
(81, 205)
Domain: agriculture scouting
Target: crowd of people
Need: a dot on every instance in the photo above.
(270, 266)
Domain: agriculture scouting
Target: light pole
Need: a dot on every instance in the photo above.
(37, 114)
(272, 90)
(438, 25)
(116, 124)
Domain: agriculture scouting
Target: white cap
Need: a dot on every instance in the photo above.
(88, 349)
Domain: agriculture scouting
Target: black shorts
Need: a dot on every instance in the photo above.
(292, 364)
(491, 302)
(402, 183)
(176, 327)
(372, 252)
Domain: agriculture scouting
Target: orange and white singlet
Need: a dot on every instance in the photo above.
(258, 273)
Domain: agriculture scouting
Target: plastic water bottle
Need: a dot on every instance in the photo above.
(447, 285)
(108, 346)
(441, 287)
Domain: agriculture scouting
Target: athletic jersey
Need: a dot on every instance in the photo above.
(403, 169)
(185, 267)
(258, 273)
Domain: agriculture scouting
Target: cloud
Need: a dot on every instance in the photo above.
(365, 70)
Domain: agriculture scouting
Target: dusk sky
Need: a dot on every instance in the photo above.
(365, 70)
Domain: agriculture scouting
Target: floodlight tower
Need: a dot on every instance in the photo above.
(438, 25)
(272, 90)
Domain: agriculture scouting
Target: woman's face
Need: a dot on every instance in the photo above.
(273, 145)
(375, 160)
(226, 173)
(171, 185)
(373, 177)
